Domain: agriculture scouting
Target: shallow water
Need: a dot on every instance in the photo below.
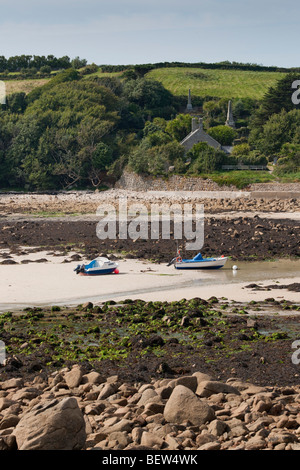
(254, 271)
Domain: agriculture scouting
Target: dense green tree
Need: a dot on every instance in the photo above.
(45, 69)
(289, 159)
(205, 159)
(150, 96)
(7, 131)
(16, 102)
(223, 134)
(77, 63)
(16, 63)
(64, 136)
(281, 128)
(113, 83)
(68, 75)
(156, 152)
(179, 127)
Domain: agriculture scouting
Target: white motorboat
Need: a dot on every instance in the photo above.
(100, 265)
(198, 262)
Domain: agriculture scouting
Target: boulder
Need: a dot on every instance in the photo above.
(217, 427)
(256, 443)
(73, 378)
(121, 437)
(184, 405)
(201, 376)
(6, 403)
(108, 390)
(9, 421)
(188, 381)
(124, 425)
(52, 425)
(207, 388)
(12, 383)
(147, 396)
(93, 378)
(149, 439)
(26, 393)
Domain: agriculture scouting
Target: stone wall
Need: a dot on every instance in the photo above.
(135, 182)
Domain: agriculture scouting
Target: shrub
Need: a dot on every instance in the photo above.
(223, 134)
(205, 159)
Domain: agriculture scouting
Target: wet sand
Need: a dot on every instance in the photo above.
(54, 282)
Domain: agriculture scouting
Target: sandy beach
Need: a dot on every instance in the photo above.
(54, 282)
(260, 236)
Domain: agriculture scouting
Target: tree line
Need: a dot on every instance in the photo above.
(42, 63)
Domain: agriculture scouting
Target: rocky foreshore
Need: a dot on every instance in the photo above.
(76, 409)
(87, 202)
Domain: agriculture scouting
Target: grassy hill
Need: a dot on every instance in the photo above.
(203, 82)
(218, 83)
(227, 84)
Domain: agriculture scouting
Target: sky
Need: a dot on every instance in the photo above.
(126, 32)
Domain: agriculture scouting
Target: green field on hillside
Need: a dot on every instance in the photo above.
(219, 83)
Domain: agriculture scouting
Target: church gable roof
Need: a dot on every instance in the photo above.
(198, 135)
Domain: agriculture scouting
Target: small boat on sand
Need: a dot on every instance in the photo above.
(198, 262)
(100, 265)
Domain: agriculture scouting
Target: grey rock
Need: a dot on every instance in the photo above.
(12, 383)
(210, 387)
(107, 390)
(52, 425)
(73, 378)
(217, 427)
(189, 381)
(120, 426)
(149, 439)
(184, 405)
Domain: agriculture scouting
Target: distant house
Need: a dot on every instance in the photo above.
(197, 133)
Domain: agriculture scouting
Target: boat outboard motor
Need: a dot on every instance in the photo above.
(79, 269)
(171, 262)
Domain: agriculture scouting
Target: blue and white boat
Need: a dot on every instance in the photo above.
(100, 265)
(198, 262)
